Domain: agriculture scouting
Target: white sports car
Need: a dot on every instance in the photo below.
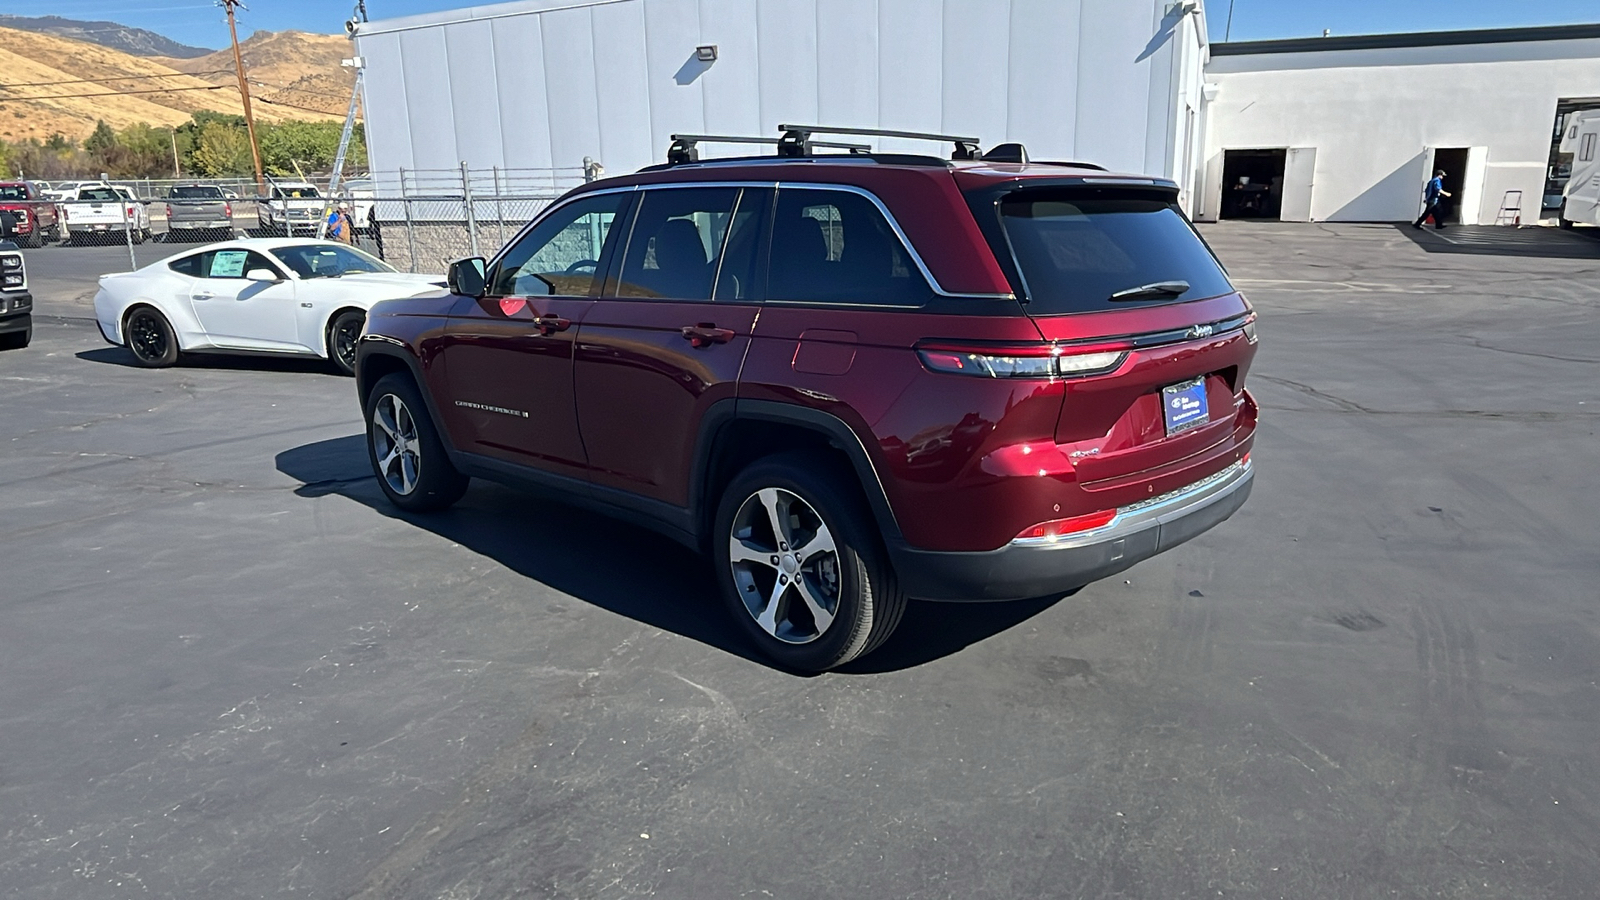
(272, 296)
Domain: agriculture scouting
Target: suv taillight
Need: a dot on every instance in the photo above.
(1023, 360)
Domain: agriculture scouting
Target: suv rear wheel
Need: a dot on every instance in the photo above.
(799, 563)
(406, 453)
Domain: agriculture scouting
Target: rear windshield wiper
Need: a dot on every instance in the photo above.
(1153, 289)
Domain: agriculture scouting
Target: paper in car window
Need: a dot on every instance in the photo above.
(228, 264)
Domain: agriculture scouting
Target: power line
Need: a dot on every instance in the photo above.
(115, 78)
(109, 93)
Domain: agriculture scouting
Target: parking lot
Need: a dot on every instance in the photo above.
(231, 670)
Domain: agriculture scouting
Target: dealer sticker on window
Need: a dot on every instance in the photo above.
(1184, 405)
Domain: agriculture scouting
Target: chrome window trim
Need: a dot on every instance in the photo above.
(894, 224)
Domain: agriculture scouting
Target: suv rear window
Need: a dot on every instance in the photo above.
(1075, 252)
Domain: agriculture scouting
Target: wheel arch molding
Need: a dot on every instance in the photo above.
(380, 355)
(725, 445)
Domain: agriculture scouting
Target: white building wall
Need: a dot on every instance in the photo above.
(1373, 117)
(545, 83)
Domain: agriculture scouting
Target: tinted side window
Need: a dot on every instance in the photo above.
(560, 256)
(677, 241)
(230, 263)
(836, 247)
(189, 265)
(736, 277)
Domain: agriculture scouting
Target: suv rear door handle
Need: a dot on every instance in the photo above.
(706, 334)
(551, 324)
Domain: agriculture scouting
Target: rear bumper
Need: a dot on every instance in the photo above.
(1020, 571)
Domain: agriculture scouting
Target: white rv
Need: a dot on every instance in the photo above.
(1580, 202)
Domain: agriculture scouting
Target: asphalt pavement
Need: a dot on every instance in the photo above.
(231, 670)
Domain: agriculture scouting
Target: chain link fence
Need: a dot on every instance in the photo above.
(418, 220)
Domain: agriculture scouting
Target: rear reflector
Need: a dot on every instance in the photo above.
(1044, 532)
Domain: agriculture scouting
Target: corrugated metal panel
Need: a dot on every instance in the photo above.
(519, 73)
(474, 99)
(431, 118)
(525, 85)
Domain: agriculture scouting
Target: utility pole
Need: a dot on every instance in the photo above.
(244, 93)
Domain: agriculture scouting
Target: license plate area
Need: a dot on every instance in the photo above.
(1183, 405)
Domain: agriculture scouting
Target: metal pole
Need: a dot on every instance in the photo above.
(499, 211)
(127, 228)
(411, 232)
(472, 218)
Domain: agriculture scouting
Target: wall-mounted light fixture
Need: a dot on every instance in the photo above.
(706, 53)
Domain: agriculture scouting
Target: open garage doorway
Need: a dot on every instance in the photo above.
(1453, 160)
(1252, 184)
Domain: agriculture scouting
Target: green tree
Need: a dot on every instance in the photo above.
(220, 150)
(101, 139)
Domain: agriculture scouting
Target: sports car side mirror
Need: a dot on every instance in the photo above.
(263, 275)
(468, 277)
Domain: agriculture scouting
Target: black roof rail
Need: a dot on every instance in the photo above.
(1076, 165)
(796, 140)
(684, 149)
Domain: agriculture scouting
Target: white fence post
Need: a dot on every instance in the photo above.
(472, 216)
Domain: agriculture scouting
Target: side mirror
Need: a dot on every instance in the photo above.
(263, 275)
(468, 277)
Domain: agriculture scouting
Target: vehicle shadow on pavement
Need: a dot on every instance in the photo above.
(1501, 240)
(620, 567)
(121, 356)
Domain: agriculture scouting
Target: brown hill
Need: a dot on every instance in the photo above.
(286, 68)
(53, 84)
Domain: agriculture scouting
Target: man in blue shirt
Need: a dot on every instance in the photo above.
(1434, 195)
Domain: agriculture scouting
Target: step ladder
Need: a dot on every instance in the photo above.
(1510, 209)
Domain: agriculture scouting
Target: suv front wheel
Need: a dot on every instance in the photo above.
(800, 565)
(406, 453)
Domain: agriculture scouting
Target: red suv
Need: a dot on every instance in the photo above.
(849, 379)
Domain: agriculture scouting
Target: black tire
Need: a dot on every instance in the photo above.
(35, 239)
(432, 482)
(343, 332)
(17, 340)
(149, 336)
(856, 578)
(1561, 218)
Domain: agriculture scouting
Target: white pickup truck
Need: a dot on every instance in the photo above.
(291, 206)
(101, 208)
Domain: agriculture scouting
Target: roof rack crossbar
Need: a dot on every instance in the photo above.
(684, 149)
(796, 138)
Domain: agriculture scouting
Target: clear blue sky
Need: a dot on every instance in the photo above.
(200, 23)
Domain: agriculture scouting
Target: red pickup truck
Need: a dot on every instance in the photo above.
(27, 217)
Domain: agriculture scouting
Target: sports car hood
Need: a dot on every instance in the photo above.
(392, 280)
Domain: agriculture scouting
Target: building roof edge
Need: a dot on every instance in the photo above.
(1409, 39)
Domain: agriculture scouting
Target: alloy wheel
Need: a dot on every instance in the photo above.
(785, 565)
(395, 445)
(346, 332)
(146, 338)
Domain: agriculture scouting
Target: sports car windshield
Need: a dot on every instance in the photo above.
(326, 261)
